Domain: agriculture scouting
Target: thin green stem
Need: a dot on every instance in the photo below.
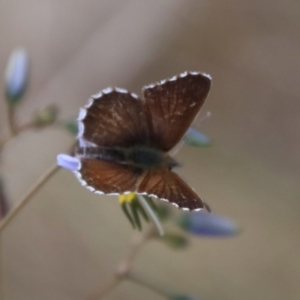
(15, 132)
(108, 286)
(11, 121)
(5, 140)
(2, 274)
(149, 285)
(35, 188)
(125, 265)
(22, 203)
(11, 125)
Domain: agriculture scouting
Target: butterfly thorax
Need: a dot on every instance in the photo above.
(138, 156)
(149, 158)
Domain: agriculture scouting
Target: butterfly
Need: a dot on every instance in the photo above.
(124, 140)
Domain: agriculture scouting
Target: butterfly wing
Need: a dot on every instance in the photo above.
(104, 177)
(168, 186)
(171, 106)
(113, 118)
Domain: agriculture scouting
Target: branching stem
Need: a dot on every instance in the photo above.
(41, 181)
(125, 265)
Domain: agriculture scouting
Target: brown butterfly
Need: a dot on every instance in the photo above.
(124, 140)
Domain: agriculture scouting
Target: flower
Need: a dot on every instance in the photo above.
(68, 162)
(207, 224)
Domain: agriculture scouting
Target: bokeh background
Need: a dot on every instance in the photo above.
(68, 240)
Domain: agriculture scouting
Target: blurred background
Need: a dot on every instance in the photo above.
(68, 240)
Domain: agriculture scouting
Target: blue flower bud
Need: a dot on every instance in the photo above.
(16, 75)
(194, 137)
(207, 224)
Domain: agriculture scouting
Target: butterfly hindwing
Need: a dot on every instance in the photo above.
(167, 185)
(106, 177)
(171, 106)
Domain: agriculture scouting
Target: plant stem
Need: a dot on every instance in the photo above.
(2, 275)
(41, 181)
(5, 140)
(151, 286)
(4, 206)
(11, 122)
(15, 132)
(106, 288)
(125, 265)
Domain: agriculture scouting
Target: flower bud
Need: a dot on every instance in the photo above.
(46, 116)
(194, 137)
(207, 224)
(16, 75)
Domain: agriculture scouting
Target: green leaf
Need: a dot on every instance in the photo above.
(72, 127)
(136, 217)
(139, 208)
(163, 211)
(175, 240)
(127, 213)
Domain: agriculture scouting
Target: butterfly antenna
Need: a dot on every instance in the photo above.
(205, 117)
(179, 146)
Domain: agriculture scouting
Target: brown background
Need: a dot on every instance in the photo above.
(68, 240)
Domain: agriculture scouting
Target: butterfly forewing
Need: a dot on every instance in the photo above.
(108, 177)
(171, 106)
(113, 118)
(167, 185)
